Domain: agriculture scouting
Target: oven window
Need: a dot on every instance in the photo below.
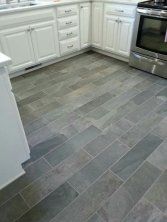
(152, 34)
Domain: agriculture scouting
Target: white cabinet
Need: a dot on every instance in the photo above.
(85, 24)
(17, 45)
(125, 35)
(118, 34)
(31, 44)
(97, 24)
(110, 33)
(44, 40)
(14, 148)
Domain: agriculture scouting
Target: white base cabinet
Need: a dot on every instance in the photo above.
(124, 36)
(32, 43)
(45, 42)
(17, 45)
(46, 34)
(14, 148)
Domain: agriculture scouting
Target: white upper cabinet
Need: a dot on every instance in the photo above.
(110, 33)
(16, 43)
(85, 24)
(45, 41)
(97, 24)
(125, 35)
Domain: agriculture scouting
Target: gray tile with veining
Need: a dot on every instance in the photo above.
(135, 157)
(88, 202)
(158, 193)
(122, 201)
(159, 156)
(46, 184)
(95, 218)
(136, 133)
(144, 109)
(13, 209)
(87, 175)
(143, 212)
(51, 206)
(161, 129)
(74, 144)
(33, 172)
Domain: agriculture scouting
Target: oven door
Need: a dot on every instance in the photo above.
(150, 34)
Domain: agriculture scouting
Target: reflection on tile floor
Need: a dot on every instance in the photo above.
(97, 131)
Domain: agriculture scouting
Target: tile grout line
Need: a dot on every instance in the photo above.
(81, 194)
(143, 197)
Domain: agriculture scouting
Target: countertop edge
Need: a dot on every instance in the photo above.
(4, 60)
(46, 4)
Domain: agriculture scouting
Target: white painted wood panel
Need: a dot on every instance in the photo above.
(45, 41)
(97, 24)
(85, 24)
(16, 44)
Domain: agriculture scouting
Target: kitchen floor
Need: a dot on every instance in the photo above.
(97, 131)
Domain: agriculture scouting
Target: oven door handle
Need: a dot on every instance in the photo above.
(151, 61)
(151, 12)
(143, 11)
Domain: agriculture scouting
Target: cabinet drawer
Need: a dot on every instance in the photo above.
(69, 45)
(64, 23)
(68, 33)
(120, 9)
(64, 11)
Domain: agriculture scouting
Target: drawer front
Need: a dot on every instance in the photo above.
(68, 46)
(68, 33)
(120, 9)
(64, 23)
(64, 11)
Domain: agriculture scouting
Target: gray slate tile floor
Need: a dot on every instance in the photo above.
(97, 131)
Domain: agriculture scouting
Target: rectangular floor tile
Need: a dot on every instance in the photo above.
(87, 175)
(13, 209)
(132, 160)
(162, 109)
(72, 145)
(144, 109)
(87, 203)
(136, 133)
(159, 157)
(95, 218)
(122, 201)
(33, 172)
(158, 193)
(145, 95)
(99, 144)
(44, 147)
(144, 211)
(50, 206)
(161, 129)
(93, 104)
(40, 188)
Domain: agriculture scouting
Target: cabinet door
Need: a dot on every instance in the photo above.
(110, 33)
(45, 41)
(125, 35)
(16, 43)
(97, 22)
(85, 23)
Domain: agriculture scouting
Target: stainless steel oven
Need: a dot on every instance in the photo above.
(149, 43)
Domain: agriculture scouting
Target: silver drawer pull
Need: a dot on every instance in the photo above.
(69, 46)
(67, 11)
(68, 23)
(68, 34)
